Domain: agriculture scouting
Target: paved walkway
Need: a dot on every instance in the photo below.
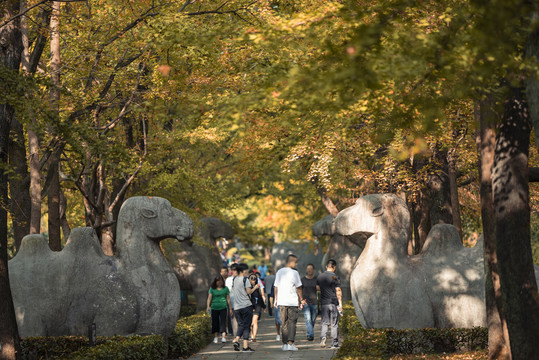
(267, 348)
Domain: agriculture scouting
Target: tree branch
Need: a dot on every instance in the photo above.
(132, 177)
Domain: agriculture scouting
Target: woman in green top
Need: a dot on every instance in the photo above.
(218, 298)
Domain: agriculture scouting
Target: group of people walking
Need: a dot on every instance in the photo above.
(244, 297)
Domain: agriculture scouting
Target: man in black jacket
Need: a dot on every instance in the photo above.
(331, 301)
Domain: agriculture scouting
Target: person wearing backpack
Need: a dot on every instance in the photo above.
(243, 307)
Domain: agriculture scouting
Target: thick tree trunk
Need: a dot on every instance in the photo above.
(19, 186)
(512, 215)
(421, 220)
(498, 337)
(55, 239)
(439, 195)
(10, 58)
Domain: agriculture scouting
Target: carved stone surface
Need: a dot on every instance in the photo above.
(343, 249)
(197, 263)
(442, 287)
(306, 253)
(135, 292)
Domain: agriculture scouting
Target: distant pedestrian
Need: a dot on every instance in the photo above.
(218, 300)
(331, 302)
(243, 307)
(276, 313)
(224, 272)
(268, 284)
(258, 298)
(263, 270)
(288, 295)
(310, 300)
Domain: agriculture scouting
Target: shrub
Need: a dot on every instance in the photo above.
(413, 341)
(190, 335)
(361, 343)
(51, 347)
(119, 347)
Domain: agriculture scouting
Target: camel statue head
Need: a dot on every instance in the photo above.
(218, 228)
(372, 214)
(155, 218)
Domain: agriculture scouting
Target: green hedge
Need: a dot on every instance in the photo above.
(52, 347)
(190, 335)
(152, 347)
(380, 344)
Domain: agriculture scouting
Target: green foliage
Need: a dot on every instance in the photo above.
(132, 347)
(189, 336)
(363, 343)
(53, 347)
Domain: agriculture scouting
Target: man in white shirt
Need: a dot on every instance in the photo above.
(288, 295)
(232, 323)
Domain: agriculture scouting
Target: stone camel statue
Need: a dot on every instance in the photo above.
(197, 263)
(134, 292)
(343, 249)
(443, 286)
(303, 250)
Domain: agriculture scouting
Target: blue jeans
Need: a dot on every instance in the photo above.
(310, 312)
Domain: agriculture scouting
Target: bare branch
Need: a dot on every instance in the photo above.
(132, 177)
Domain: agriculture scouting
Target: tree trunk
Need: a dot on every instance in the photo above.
(498, 337)
(512, 215)
(438, 183)
(453, 190)
(19, 186)
(66, 229)
(53, 197)
(326, 200)
(10, 58)
(35, 183)
(55, 239)
(422, 223)
(33, 140)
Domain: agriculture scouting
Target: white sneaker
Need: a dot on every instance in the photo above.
(292, 347)
(285, 347)
(215, 340)
(223, 339)
(323, 342)
(278, 338)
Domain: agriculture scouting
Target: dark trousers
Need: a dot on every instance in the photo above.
(218, 321)
(270, 308)
(229, 322)
(289, 318)
(330, 317)
(244, 318)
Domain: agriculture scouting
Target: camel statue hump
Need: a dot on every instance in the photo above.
(443, 239)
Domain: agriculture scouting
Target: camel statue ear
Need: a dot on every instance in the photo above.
(377, 211)
(148, 214)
